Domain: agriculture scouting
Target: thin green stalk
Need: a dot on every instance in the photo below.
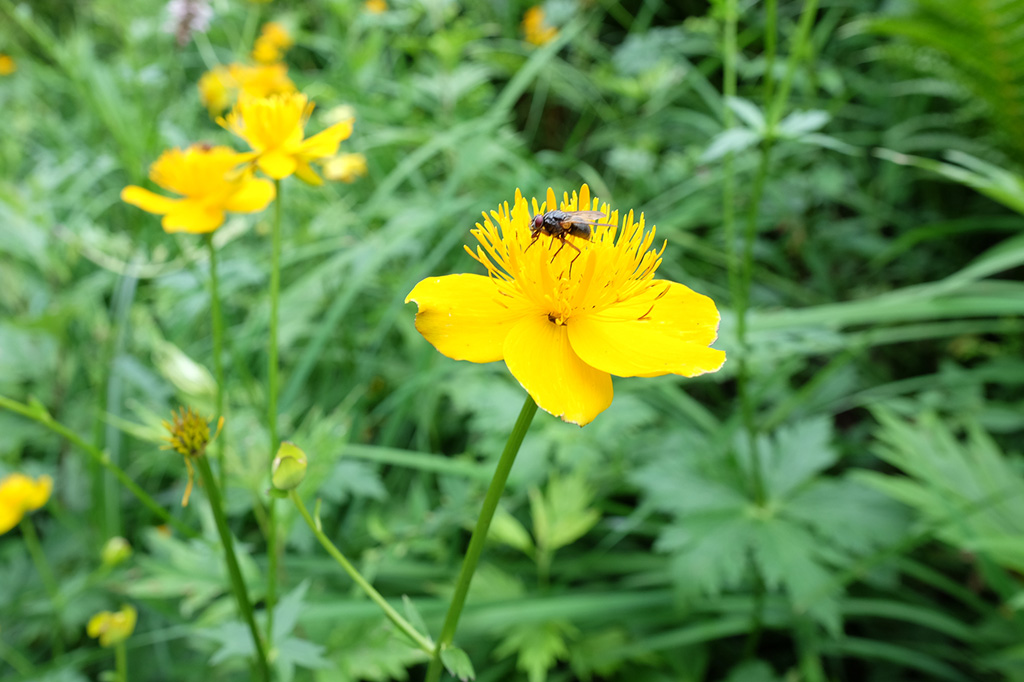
(422, 641)
(275, 295)
(35, 550)
(479, 537)
(237, 583)
(121, 662)
(218, 359)
(39, 415)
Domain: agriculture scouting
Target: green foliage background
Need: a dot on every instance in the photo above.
(883, 357)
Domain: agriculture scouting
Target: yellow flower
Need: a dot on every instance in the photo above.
(274, 128)
(565, 320)
(189, 435)
(19, 495)
(375, 6)
(219, 87)
(113, 627)
(534, 29)
(273, 42)
(345, 167)
(210, 182)
(7, 65)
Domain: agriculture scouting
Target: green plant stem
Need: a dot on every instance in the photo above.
(275, 295)
(39, 415)
(234, 573)
(121, 662)
(422, 641)
(35, 550)
(479, 537)
(218, 359)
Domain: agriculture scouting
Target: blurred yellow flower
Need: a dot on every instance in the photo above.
(375, 6)
(345, 167)
(19, 495)
(273, 42)
(7, 65)
(113, 627)
(534, 29)
(564, 320)
(211, 184)
(219, 87)
(274, 128)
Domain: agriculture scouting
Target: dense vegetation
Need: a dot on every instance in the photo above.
(844, 500)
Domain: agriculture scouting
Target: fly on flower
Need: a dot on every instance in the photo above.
(607, 316)
(562, 224)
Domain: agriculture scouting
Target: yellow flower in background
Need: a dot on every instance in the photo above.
(535, 30)
(274, 128)
(211, 184)
(19, 494)
(564, 320)
(7, 65)
(375, 6)
(113, 627)
(273, 42)
(219, 87)
(345, 167)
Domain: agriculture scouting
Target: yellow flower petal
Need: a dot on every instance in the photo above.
(148, 201)
(463, 317)
(306, 173)
(254, 196)
(277, 164)
(671, 337)
(538, 353)
(9, 518)
(19, 494)
(193, 217)
(326, 142)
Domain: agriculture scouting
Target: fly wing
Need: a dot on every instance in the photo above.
(590, 217)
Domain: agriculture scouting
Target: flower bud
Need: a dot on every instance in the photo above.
(289, 467)
(116, 551)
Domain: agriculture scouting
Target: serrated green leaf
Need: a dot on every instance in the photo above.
(538, 648)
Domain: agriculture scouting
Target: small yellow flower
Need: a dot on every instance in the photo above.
(274, 128)
(564, 320)
(19, 495)
(345, 167)
(375, 6)
(210, 182)
(535, 30)
(113, 627)
(7, 65)
(273, 42)
(219, 87)
(189, 435)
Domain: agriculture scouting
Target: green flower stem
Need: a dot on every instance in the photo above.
(121, 662)
(275, 296)
(237, 583)
(40, 415)
(479, 537)
(218, 359)
(35, 550)
(422, 641)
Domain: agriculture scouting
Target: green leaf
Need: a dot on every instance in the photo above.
(457, 663)
(562, 515)
(538, 647)
(796, 454)
(507, 530)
